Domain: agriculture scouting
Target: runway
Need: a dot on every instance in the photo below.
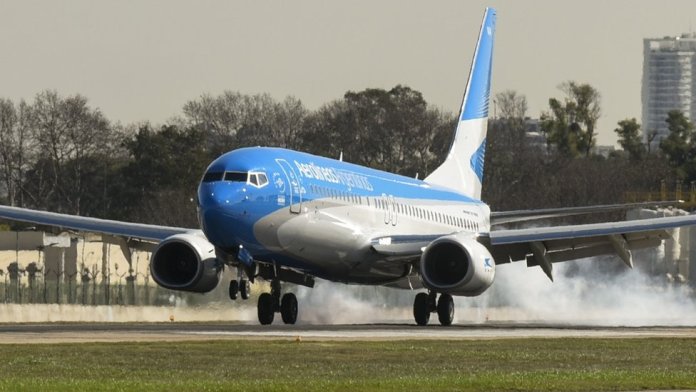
(144, 332)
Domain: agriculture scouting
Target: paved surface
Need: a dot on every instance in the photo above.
(132, 332)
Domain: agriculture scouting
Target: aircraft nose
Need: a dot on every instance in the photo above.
(208, 196)
(221, 206)
(220, 195)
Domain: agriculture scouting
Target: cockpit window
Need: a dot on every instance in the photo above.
(263, 180)
(212, 176)
(236, 176)
(257, 179)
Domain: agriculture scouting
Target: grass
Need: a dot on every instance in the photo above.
(514, 364)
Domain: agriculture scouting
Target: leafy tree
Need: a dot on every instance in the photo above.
(630, 139)
(159, 182)
(389, 130)
(570, 125)
(680, 145)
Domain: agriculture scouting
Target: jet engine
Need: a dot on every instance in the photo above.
(457, 264)
(186, 262)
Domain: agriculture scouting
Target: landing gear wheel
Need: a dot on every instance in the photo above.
(244, 288)
(445, 309)
(288, 308)
(234, 289)
(266, 308)
(421, 309)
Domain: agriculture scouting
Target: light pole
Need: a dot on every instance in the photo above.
(17, 261)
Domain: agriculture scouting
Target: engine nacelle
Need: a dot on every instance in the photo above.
(185, 262)
(457, 264)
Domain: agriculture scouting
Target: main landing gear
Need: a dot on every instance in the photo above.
(426, 303)
(270, 303)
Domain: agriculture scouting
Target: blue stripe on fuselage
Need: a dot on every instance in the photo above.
(339, 175)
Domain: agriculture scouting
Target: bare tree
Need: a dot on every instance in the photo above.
(510, 105)
(70, 135)
(233, 119)
(14, 147)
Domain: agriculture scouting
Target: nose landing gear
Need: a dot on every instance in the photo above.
(241, 287)
(426, 303)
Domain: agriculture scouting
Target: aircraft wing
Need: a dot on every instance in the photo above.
(502, 217)
(547, 245)
(141, 231)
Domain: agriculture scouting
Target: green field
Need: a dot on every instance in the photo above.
(247, 365)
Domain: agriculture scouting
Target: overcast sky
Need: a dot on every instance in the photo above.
(142, 60)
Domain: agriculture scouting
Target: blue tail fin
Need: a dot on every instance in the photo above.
(463, 167)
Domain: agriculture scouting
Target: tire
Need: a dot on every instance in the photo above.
(421, 309)
(445, 309)
(244, 288)
(265, 309)
(288, 308)
(234, 289)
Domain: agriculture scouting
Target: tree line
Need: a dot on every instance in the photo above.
(60, 154)
(565, 170)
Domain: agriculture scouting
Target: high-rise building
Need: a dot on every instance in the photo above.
(669, 82)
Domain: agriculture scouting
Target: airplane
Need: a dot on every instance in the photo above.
(285, 216)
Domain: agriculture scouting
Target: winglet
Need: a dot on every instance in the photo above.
(463, 167)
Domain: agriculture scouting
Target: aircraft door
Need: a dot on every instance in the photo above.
(390, 211)
(293, 190)
(394, 210)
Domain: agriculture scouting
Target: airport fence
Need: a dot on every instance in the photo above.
(90, 287)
